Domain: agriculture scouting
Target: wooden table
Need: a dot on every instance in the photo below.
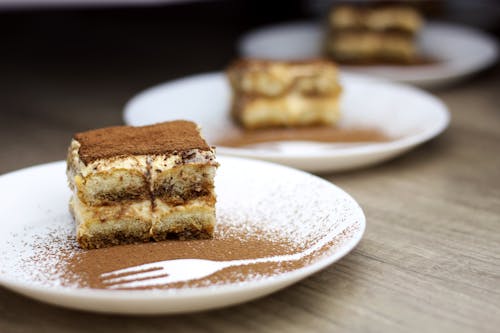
(430, 258)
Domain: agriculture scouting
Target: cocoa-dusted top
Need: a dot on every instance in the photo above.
(162, 138)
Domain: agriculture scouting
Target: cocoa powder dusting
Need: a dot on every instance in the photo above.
(163, 138)
(421, 60)
(318, 134)
(87, 266)
(76, 267)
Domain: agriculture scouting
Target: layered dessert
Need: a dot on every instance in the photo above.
(364, 34)
(269, 93)
(134, 184)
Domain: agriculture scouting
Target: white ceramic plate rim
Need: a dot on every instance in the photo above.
(283, 280)
(372, 148)
(419, 74)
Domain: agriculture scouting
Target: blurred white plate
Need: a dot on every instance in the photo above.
(460, 51)
(409, 114)
(297, 206)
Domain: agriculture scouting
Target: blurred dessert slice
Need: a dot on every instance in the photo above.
(362, 34)
(269, 93)
(131, 184)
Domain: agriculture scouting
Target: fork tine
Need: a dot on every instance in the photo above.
(133, 269)
(158, 281)
(137, 276)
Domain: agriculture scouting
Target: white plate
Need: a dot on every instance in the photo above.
(292, 203)
(460, 50)
(401, 111)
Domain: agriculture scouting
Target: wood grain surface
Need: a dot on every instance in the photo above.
(430, 258)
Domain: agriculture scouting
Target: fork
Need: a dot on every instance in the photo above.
(177, 270)
(170, 271)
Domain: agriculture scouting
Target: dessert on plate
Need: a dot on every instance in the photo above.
(272, 93)
(134, 184)
(373, 34)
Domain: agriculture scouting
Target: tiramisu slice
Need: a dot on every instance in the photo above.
(133, 184)
(365, 34)
(284, 93)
